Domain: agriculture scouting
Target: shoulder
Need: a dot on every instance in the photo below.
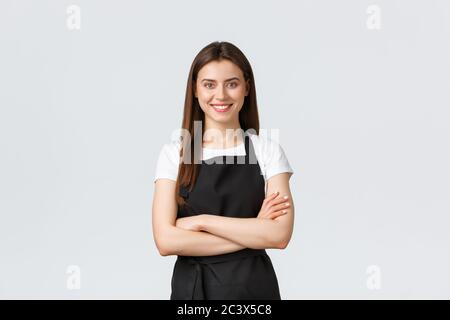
(168, 161)
(267, 146)
(264, 142)
(271, 155)
(171, 150)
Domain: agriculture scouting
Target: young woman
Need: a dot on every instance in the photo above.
(218, 207)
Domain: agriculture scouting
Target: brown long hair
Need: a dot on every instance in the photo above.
(248, 115)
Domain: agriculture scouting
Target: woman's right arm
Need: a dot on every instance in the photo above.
(171, 240)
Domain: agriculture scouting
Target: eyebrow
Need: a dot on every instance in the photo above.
(234, 78)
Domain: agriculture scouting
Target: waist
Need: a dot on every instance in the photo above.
(244, 253)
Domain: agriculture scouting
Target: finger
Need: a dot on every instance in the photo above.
(265, 215)
(276, 208)
(278, 201)
(282, 206)
(271, 197)
(277, 214)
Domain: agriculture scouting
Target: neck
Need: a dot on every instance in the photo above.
(222, 134)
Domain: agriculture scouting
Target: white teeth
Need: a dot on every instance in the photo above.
(222, 107)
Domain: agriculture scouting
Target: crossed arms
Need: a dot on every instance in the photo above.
(206, 234)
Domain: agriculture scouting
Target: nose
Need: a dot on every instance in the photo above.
(220, 93)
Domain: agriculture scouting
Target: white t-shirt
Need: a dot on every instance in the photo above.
(270, 155)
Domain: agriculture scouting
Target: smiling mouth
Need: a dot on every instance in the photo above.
(221, 107)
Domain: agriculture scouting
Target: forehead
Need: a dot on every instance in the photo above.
(220, 70)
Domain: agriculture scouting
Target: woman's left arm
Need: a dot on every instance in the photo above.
(256, 233)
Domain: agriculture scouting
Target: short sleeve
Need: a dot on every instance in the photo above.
(168, 162)
(275, 160)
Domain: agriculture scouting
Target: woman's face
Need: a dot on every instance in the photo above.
(221, 90)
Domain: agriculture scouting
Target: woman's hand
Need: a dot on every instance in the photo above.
(274, 207)
(192, 223)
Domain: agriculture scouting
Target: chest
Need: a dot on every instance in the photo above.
(226, 188)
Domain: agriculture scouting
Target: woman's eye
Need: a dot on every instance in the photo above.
(233, 84)
(208, 85)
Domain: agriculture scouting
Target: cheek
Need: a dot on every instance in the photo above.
(237, 94)
(203, 99)
(204, 95)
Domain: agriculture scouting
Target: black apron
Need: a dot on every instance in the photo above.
(232, 187)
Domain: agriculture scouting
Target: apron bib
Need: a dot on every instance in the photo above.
(230, 186)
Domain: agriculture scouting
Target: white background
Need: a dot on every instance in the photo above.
(363, 117)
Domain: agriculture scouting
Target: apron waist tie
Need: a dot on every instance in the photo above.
(198, 263)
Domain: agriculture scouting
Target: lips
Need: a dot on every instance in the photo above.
(220, 107)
